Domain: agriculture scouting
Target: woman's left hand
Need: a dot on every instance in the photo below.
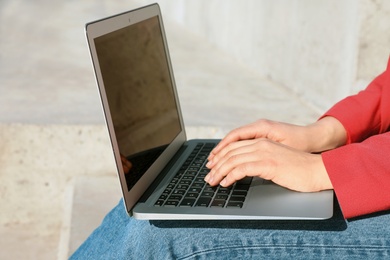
(285, 166)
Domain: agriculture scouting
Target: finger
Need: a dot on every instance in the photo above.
(260, 150)
(216, 176)
(255, 168)
(216, 157)
(229, 148)
(232, 160)
(250, 131)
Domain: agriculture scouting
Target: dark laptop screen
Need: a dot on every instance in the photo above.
(140, 96)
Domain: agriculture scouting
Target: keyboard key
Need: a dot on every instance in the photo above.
(187, 202)
(192, 195)
(175, 197)
(246, 180)
(195, 190)
(185, 182)
(203, 202)
(167, 191)
(179, 192)
(175, 180)
(237, 199)
(234, 204)
(182, 187)
(221, 197)
(209, 188)
(239, 193)
(171, 186)
(243, 187)
(159, 203)
(225, 188)
(188, 178)
(198, 185)
(197, 164)
(223, 192)
(199, 180)
(208, 194)
(218, 203)
(171, 203)
(163, 196)
(191, 173)
(198, 161)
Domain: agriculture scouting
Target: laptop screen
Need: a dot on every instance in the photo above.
(140, 95)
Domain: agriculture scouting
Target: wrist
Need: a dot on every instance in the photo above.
(321, 180)
(326, 134)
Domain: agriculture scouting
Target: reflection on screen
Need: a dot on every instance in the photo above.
(140, 94)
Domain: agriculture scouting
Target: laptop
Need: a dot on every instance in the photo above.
(160, 171)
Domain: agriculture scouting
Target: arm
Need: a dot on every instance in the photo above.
(366, 113)
(325, 134)
(360, 175)
(360, 171)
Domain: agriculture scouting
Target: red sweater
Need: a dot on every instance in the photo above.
(360, 170)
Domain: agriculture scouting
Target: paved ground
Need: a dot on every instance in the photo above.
(51, 121)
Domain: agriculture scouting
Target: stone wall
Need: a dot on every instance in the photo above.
(322, 50)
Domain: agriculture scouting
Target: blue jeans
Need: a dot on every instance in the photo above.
(122, 237)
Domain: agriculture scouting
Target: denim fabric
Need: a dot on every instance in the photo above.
(122, 237)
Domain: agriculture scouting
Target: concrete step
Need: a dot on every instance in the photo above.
(89, 199)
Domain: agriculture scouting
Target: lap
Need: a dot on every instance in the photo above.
(122, 237)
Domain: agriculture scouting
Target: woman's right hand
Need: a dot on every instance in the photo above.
(325, 134)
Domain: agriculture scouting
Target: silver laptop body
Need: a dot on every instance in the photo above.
(135, 79)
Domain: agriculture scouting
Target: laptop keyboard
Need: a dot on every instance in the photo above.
(188, 188)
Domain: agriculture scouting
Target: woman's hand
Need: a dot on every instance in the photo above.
(327, 133)
(271, 160)
(288, 134)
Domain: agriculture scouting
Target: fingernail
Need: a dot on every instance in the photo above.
(208, 165)
(206, 179)
(223, 182)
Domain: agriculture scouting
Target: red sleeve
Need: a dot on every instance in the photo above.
(360, 170)
(360, 175)
(361, 114)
